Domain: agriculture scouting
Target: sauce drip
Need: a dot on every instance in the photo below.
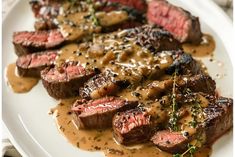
(102, 140)
(205, 48)
(17, 83)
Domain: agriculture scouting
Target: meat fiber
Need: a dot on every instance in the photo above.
(65, 81)
(133, 126)
(28, 42)
(98, 113)
(179, 22)
(31, 65)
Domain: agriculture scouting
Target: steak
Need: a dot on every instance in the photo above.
(218, 120)
(65, 81)
(196, 83)
(173, 142)
(183, 63)
(45, 11)
(153, 38)
(31, 65)
(132, 127)
(98, 113)
(179, 22)
(102, 85)
(28, 42)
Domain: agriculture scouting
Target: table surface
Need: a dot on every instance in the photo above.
(7, 4)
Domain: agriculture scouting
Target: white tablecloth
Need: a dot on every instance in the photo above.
(8, 149)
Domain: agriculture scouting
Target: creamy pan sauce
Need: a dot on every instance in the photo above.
(102, 140)
(17, 83)
(206, 48)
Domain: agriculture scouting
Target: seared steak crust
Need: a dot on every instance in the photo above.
(197, 83)
(183, 63)
(101, 85)
(65, 81)
(153, 38)
(31, 65)
(98, 113)
(219, 119)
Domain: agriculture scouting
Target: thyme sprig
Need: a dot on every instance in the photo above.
(191, 150)
(196, 109)
(92, 11)
(174, 117)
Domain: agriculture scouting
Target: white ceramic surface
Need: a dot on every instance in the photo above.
(33, 131)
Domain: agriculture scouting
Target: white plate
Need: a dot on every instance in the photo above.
(33, 131)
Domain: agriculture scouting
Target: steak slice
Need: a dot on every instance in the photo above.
(183, 63)
(133, 126)
(45, 11)
(65, 81)
(98, 113)
(173, 142)
(184, 26)
(153, 38)
(31, 65)
(197, 83)
(218, 120)
(102, 85)
(28, 42)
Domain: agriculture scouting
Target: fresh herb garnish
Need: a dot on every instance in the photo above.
(92, 11)
(173, 116)
(196, 109)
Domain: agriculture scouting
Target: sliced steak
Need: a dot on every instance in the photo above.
(173, 142)
(102, 85)
(197, 83)
(98, 113)
(29, 42)
(31, 65)
(184, 26)
(183, 63)
(218, 120)
(153, 38)
(131, 127)
(65, 81)
(45, 11)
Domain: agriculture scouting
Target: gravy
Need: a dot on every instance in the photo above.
(102, 140)
(17, 83)
(206, 47)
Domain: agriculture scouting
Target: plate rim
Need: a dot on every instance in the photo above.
(211, 3)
